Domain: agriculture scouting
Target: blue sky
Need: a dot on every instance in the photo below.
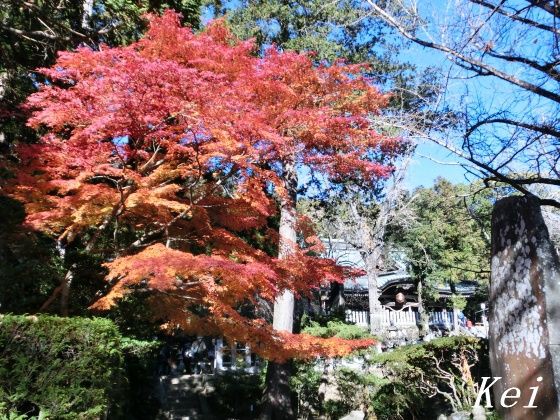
(425, 167)
(484, 95)
(423, 170)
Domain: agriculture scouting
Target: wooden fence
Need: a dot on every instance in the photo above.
(404, 318)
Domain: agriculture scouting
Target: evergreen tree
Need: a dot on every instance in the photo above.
(448, 241)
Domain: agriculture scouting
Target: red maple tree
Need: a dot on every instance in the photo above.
(189, 141)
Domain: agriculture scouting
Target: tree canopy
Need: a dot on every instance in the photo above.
(32, 32)
(176, 144)
(344, 30)
(448, 238)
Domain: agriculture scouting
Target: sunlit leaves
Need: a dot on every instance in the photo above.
(180, 139)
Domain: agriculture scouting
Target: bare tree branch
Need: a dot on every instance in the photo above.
(472, 64)
(515, 16)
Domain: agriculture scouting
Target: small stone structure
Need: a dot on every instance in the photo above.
(524, 312)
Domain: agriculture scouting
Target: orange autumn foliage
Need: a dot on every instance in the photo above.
(177, 138)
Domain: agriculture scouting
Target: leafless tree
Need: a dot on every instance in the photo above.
(505, 55)
(363, 224)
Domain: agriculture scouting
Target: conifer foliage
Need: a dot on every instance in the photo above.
(176, 145)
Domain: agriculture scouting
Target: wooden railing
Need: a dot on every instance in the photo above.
(357, 317)
(388, 317)
(441, 318)
(402, 318)
(234, 357)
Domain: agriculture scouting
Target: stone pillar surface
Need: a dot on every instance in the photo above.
(524, 315)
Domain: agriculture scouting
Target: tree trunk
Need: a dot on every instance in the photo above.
(423, 316)
(87, 14)
(455, 319)
(335, 300)
(375, 309)
(524, 335)
(372, 244)
(65, 291)
(4, 80)
(278, 403)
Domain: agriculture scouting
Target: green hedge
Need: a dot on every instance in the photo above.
(60, 368)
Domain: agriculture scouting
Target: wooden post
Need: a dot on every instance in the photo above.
(484, 318)
(248, 357)
(233, 350)
(524, 316)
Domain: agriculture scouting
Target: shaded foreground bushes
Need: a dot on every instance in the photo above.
(81, 368)
(69, 368)
(410, 382)
(237, 395)
(440, 376)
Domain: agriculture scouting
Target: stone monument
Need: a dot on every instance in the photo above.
(524, 317)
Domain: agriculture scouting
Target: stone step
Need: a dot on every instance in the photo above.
(185, 397)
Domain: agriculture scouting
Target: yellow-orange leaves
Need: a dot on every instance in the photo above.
(173, 148)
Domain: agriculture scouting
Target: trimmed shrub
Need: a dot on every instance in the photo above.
(336, 329)
(310, 376)
(63, 368)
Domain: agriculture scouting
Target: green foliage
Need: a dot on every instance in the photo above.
(300, 26)
(141, 360)
(68, 368)
(458, 302)
(449, 239)
(309, 376)
(416, 352)
(29, 266)
(305, 382)
(343, 29)
(435, 370)
(237, 394)
(402, 384)
(65, 368)
(32, 32)
(336, 329)
(134, 317)
(356, 389)
(394, 400)
(189, 9)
